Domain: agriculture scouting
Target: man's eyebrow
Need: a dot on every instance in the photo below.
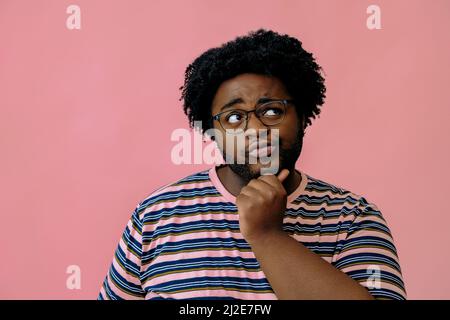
(234, 101)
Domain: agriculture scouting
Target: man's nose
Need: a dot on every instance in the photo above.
(256, 130)
(253, 122)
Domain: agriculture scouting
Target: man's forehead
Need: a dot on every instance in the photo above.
(248, 86)
(246, 90)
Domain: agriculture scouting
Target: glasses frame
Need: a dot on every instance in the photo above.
(257, 106)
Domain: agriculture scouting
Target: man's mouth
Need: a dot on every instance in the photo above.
(261, 152)
(259, 149)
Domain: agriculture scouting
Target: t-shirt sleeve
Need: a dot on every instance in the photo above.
(368, 255)
(122, 281)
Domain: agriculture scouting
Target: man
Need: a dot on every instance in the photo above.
(231, 232)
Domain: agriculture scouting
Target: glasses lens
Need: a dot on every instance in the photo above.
(271, 113)
(234, 119)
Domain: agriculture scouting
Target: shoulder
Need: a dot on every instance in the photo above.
(170, 192)
(318, 190)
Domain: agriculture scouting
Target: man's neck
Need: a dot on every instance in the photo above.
(234, 183)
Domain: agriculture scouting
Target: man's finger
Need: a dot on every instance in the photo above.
(262, 185)
(283, 175)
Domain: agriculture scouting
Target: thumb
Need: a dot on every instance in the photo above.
(283, 175)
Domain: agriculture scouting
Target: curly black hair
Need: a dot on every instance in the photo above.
(262, 52)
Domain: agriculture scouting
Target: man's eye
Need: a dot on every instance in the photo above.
(234, 118)
(272, 112)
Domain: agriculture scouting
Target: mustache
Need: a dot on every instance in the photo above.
(259, 145)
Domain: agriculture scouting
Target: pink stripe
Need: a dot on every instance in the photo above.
(194, 235)
(369, 267)
(205, 273)
(171, 187)
(199, 217)
(221, 293)
(182, 202)
(312, 221)
(120, 293)
(206, 253)
(125, 275)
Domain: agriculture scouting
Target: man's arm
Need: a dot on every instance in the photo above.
(295, 272)
(122, 281)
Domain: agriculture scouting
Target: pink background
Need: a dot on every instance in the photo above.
(86, 118)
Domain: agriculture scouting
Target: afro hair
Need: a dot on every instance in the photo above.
(262, 52)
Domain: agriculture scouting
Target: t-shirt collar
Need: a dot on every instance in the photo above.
(231, 198)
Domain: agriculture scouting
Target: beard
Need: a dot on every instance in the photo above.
(287, 159)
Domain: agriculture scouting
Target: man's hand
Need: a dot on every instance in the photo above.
(261, 206)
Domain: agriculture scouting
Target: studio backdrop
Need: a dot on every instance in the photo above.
(90, 99)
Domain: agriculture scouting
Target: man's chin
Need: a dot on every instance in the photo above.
(254, 171)
(262, 169)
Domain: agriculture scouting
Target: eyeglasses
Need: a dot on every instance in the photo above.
(269, 113)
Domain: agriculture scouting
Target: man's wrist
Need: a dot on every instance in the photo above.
(266, 239)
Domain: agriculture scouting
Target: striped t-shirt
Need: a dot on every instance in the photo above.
(183, 242)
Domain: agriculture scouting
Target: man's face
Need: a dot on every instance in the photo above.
(250, 88)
